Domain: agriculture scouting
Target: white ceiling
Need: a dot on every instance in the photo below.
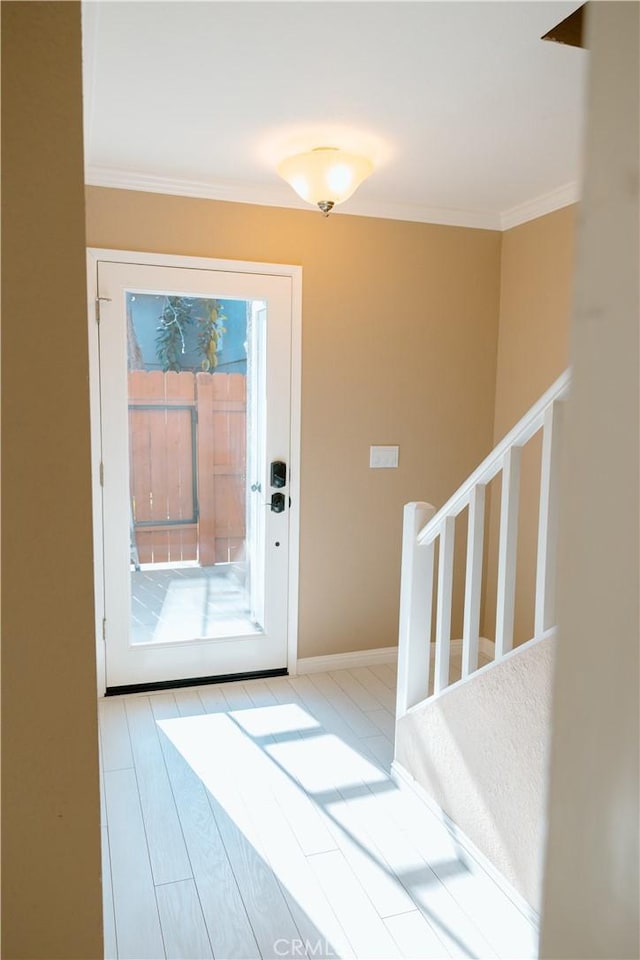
(468, 116)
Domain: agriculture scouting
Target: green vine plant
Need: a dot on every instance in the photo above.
(210, 329)
(177, 315)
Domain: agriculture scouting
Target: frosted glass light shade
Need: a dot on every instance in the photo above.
(325, 176)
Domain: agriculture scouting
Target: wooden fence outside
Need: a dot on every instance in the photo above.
(187, 455)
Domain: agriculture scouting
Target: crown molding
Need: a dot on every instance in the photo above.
(440, 216)
(539, 206)
(276, 196)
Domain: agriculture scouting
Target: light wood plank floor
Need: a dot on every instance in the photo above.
(258, 819)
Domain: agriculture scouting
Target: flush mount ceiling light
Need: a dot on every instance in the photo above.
(325, 176)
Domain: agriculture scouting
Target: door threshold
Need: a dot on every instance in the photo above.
(194, 682)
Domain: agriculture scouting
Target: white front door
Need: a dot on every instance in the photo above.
(195, 387)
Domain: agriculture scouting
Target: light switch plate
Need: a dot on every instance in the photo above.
(384, 457)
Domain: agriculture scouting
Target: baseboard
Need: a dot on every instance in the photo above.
(476, 859)
(368, 658)
(346, 661)
(486, 647)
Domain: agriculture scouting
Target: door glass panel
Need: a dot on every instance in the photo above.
(194, 430)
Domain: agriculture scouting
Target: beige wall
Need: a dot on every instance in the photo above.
(398, 346)
(593, 856)
(462, 751)
(51, 903)
(535, 308)
(536, 281)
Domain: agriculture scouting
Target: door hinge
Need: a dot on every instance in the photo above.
(104, 628)
(99, 300)
(101, 474)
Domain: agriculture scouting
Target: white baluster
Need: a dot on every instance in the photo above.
(507, 554)
(473, 581)
(416, 590)
(445, 596)
(548, 518)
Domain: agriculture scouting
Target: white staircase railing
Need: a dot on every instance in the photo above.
(423, 526)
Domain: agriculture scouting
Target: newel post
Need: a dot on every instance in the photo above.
(416, 591)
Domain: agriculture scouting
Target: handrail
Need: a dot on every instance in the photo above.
(423, 526)
(524, 429)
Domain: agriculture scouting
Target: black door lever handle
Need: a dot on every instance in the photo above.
(277, 502)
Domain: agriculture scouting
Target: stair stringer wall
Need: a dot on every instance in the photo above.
(480, 752)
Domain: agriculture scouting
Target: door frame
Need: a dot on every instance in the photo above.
(96, 254)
